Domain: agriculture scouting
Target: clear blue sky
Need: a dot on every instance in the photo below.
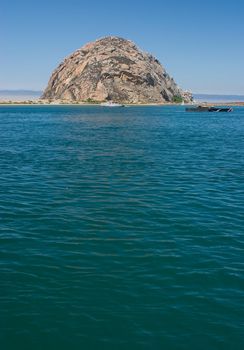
(200, 43)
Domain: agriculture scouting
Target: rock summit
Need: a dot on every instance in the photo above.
(112, 69)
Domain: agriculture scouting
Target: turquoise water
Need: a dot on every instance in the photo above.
(121, 228)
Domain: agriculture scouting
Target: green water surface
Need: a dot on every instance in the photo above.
(121, 228)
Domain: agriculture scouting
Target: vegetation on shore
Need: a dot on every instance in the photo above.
(177, 99)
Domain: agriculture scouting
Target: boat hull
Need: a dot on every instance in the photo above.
(111, 104)
(209, 109)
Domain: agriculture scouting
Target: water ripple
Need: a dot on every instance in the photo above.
(121, 229)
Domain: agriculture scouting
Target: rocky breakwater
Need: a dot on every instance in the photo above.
(112, 69)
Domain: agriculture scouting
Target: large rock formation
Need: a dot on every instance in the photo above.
(113, 69)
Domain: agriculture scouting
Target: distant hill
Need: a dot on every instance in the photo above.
(218, 98)
(19, 95)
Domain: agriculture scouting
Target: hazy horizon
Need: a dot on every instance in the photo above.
(21, 95)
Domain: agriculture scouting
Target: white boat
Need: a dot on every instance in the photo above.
(111, 104)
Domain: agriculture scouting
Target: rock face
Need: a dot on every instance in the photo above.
(112, 69)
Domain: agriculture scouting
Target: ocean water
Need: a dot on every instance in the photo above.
(121, 228)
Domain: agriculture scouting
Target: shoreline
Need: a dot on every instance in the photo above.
(33, 103)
